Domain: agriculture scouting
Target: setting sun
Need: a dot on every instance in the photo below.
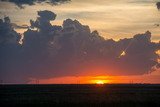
(99, 82)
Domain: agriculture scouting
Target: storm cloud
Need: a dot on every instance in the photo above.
(71, 49)
(21, 3)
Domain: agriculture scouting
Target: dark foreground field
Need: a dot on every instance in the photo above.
(80, 95)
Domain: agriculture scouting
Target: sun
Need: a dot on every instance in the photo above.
(99, 82)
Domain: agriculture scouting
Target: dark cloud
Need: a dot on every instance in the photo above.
(9, 51)
(157, 25)
(7, 33)
(71, 49)
(43, 21)
(158, 5)
(21, 3)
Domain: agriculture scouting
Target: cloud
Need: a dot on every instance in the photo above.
(10, 50)
(21, 3)
(158, 5)
(19, 26)
(7, 34)
(71, 49)
(43, 21)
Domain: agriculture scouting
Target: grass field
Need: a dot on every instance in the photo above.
(109, 95)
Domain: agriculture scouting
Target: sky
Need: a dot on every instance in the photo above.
(116, 19)
(124, 50)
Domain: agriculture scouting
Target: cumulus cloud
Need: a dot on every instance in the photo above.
(9, 51)
(43, 21)
(71, 49)
(21, 3)
(7, 33)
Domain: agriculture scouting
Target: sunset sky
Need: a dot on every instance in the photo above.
(113, 19)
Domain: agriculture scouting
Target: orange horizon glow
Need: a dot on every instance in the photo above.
(153, 78)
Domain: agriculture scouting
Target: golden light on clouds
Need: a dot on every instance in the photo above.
(158, 52)
(122, 54)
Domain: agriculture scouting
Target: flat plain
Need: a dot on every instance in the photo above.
(106, 95)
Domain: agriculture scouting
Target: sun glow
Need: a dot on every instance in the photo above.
(100, 82)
